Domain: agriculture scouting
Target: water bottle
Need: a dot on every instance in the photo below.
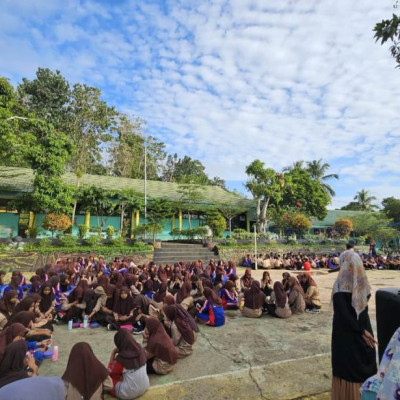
(54, 357)
(85, 321)
(70, 325)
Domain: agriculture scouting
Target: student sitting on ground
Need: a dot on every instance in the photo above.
(160, 350)
(122, 311)
(266, 283)
(127, 367)
(311, 293)
(279, 304)
(246, 280)
(85, 376)
(229, 296)
(296, 296)
(212, 312)
(183, 329)
(254, 299)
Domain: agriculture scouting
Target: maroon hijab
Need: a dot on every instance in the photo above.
(294, 284)
(159, 343)
(183, 292)
(184, 321)
(6, 308)
(280, 294)
(9, 334)
(130, 353)
(162, 292)
(247, 278)
(254, 298)
(123, 306)
(12, 367)
(23, 317)
(84, 371)
(212, 297)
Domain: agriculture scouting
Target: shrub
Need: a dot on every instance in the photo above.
(82, 231)
(56, 222)
(68, 241)
(216, 222)
(118, 241)
(343, 227)
(45, 242)
(239, 233)
(95, 229)
(110, 231)
(94, 240)
(33, 232)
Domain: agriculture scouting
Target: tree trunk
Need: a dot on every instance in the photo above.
(258, 215)
(122, 217)
(230, 227)
(73, 213)
(264, 214)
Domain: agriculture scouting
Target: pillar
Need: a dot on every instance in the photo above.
(137, 218)
(32, 219)
(132, 223)
(247, 221)
(180, 221)
(87, 219)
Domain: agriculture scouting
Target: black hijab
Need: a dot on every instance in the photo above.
(12, 367)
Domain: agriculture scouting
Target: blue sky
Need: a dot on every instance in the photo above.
(230, 81)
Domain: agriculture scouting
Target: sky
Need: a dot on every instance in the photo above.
(227, 82)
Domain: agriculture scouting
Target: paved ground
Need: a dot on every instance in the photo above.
(265, 358)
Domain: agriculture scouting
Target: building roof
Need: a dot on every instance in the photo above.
(332, 217)
(15, 181)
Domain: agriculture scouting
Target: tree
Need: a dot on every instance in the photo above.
(15, 136)
(190, 195)
(317, 170)
(216, 222)
(364, 200)
(230, 210)
(389, 30)
(159, 210)
(343, 227)
(129, 200)
(266, 186)
(352, 206)
(56, 222)
(391, 208)
(305, 193)
(98, 202)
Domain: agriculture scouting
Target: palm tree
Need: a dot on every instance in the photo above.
(317, 170)
(296, 164)
(364, 200)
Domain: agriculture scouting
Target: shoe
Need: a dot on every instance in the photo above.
(109, 327)
(137, 331)
(315, 310)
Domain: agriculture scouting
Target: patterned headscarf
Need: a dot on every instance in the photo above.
(353, 279)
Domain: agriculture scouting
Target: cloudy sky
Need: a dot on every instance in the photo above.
(230, 81)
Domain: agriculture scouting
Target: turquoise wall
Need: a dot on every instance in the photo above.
(8, 225)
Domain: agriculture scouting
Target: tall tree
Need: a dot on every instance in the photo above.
(266, 186)
(317, 169)
(129, 200)
(365, 200)
(391, 208)
(191, 193)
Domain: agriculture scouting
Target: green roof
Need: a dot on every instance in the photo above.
(14, 181)
(332, 217)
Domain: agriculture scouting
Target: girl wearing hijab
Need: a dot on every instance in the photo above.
(254, 299)
(76, 303)
(27, 318)
(48, 300)
(97, 314)
(229, 296)
(184, 297)
(296, 296)
(16, 364)
(183, 329)
(311, 293)
(279, 304)
(160, 350)
(85, 377)
(157, 303)
(353, 343)
(122, 310)
(212, 312)
(127, 367)
(7, 305)
(15, 331)
(285, 281)
(246, 280)
(15, 285)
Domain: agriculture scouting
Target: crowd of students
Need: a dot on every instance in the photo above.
(164, 303)
(308, 261)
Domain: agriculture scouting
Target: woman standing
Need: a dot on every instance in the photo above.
(353, 343)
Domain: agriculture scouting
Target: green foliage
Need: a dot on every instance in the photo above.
(94, 240)
(110, 231)
(33, 232)
(389, 30)
(68, 241)
(193, 233)
(391, 208)
(159, 210)
(267, 187)
(317, 170)
(82, 231)
(190, 195)
(152, 228)
(216, 222)
(305, 193)
(95, 229)
(369, 223)
(364, 201)
(239, 233)
(118, 241)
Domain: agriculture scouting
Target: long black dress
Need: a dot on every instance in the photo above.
(352, 359)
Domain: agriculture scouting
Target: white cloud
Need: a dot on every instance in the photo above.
(228, 82)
